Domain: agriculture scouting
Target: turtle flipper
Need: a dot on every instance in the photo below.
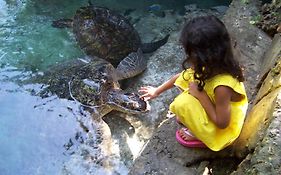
(62, 23)
(151, 47)
(131, 66)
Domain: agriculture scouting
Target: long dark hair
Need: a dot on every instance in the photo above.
(208, 48)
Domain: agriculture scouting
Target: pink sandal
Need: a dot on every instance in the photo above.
(189, 143)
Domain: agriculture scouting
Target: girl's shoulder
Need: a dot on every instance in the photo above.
(185, 77)
(223, 79)
(187, 73)
(228, 80)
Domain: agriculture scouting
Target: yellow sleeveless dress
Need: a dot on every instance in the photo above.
(190, 112)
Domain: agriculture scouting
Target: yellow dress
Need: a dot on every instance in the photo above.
(190, 112)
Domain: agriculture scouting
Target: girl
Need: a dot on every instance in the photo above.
(213, 102)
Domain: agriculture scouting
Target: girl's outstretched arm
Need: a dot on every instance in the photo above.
(150, 92)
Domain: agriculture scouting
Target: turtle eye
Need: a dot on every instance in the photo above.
(131, 94)
(92, 84)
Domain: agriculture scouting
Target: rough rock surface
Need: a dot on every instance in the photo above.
(258, 150)
(250, 43)
(270, 18)
(263, 145)
(260, 115)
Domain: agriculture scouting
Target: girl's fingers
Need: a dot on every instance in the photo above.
(147, 92)
(146, 98)
(145, 89)
(144, 95)
(142, 90)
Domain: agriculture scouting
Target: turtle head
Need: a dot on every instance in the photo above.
(90, 3)
(62, 23)
(127, 102)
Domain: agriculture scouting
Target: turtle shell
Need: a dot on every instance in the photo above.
(83, 80)
(104, 33)
(91, 83)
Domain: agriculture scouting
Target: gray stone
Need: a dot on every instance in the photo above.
(221, 9)
(250, 43)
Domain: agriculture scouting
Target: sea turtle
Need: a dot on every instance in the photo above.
(102, 32)
(92, 82)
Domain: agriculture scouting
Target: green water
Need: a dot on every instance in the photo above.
(34, 132)
(41, 135)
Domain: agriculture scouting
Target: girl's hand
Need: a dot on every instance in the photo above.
(148, 92)
(193, 90)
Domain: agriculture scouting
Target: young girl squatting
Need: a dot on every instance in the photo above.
(212, 104)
